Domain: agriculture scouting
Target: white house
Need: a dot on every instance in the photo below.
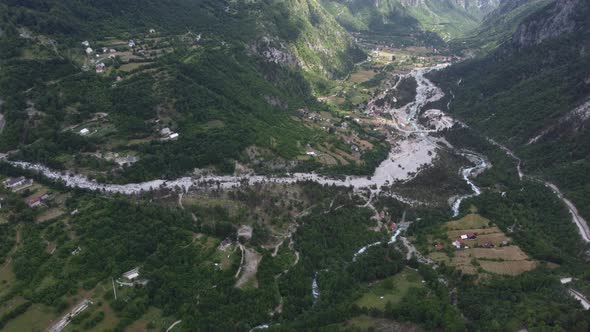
(132, 274)
(89, 51)
(85, 43)
(174, 135)
(152, 30)
(565, 280)
(84, 132)
(13, 183)
(100, 68)
(131, 43)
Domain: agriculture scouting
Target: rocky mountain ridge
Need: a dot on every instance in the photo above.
(560, 17)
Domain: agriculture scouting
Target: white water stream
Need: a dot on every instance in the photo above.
(468, 173)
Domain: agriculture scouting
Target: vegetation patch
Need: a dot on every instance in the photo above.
(390, 290)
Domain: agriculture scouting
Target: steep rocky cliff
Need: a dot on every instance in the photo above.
(561, 17)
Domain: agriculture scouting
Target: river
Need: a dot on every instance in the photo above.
(481, 164)
(404, 161)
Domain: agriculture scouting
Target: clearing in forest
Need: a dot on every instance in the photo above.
(475, 246)
(392, 289)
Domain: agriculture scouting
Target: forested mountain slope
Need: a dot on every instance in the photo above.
(499, 25)
(532, 94)
(448, 18)
(226, 75)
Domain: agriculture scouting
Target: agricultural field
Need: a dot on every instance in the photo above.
(490, 251)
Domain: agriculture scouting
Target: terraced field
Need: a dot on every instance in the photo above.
(491, 252)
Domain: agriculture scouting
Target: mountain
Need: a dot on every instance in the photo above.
(560, 18)
(447, 18)
(499, 25)
(532, 94)
(228, 76)
(300, 25)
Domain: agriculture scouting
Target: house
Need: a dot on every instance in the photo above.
(174, 136)
(76, 251)
(464, 237)
(118, 79)
(105, 50)
(565, 280)
(112, 50)
(152, 31)
(132, 274)
(85, 43)
(84, 132)
(34, 201)
(392, 227)
(439, 246)
(131, 43)
(311, 153)
(100, 68)
(165, 132)
(471, 236)
(15, 182)
(89, 51)
(458, 243)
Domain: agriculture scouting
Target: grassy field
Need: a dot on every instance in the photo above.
(226, 258)
(362, 76)
(470, 221)
(131, 66)
(152, 320)
(512, 268)
(391, 290)
(50, 214)
(37, 318)
(367, 323)
(6, 277)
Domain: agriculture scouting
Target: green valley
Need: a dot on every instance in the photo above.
(305, 165)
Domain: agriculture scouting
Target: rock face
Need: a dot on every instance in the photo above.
(468, 5)
(558, 18)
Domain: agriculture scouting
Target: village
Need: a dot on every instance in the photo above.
(35, 195)
(107, 56)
